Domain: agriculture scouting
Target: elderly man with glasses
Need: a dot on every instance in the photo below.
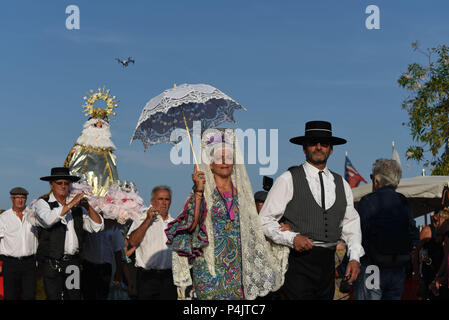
(61, 227)
(317, 205)
(18, 244)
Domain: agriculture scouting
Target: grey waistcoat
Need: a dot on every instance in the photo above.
(305, 216)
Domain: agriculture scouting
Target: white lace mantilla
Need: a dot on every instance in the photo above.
(200, 102)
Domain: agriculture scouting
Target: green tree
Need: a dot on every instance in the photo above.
(428, 107)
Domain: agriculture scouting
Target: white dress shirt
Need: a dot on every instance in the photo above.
(46, 218)
(100, 247)
(18, 238)
(153, 252)
(281, 194)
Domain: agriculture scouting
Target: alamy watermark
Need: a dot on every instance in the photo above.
(373, 20)
(254, 144)
(372, 281)
(72, 22)
(72, 282)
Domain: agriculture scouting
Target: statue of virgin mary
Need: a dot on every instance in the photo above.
(92, 154)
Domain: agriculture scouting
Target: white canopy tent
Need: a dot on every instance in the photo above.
(425, 192)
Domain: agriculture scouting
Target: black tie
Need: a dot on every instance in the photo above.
(323, 203)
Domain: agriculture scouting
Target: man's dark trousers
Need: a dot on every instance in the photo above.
(55, 274)
(96, 280)
(310, 274)
(155, 285)
(19, 278)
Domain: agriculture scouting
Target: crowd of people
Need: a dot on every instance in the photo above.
(304, 239)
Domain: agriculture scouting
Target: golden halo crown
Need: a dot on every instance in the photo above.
(101, 113)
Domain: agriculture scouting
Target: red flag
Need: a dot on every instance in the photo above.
(351, 174)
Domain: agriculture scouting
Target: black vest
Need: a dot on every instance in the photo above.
(307, 217)
(52, 240)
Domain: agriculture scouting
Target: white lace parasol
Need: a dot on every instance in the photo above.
(164, 113)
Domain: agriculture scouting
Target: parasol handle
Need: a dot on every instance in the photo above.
(190, 139)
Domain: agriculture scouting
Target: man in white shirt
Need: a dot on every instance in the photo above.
(18, 244)
(153, 257)
(61, 228)
(318, 206)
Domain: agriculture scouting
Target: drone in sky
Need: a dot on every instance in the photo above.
(125, 62)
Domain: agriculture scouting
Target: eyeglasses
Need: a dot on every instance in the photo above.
(60, 183)
(314, 143)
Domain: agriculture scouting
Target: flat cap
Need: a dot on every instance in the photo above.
(18, 191)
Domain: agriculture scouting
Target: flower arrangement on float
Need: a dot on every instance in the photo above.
(121, 203)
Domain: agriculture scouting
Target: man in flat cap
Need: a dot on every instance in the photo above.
(18, 244)
(317, 204)
(61, 229)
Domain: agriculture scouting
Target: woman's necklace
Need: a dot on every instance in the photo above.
(229, 210)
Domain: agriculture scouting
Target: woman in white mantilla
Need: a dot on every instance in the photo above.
(92, 155)
(218, 236)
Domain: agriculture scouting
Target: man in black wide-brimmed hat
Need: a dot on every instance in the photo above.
(61, 228)
(317, 204)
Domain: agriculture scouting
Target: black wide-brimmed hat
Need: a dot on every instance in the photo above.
(60, 173)
(319, 131)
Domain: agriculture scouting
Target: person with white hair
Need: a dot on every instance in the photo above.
(386, 173)
(218, 236)
(388, 234)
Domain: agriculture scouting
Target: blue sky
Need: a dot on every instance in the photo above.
(287, 62)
